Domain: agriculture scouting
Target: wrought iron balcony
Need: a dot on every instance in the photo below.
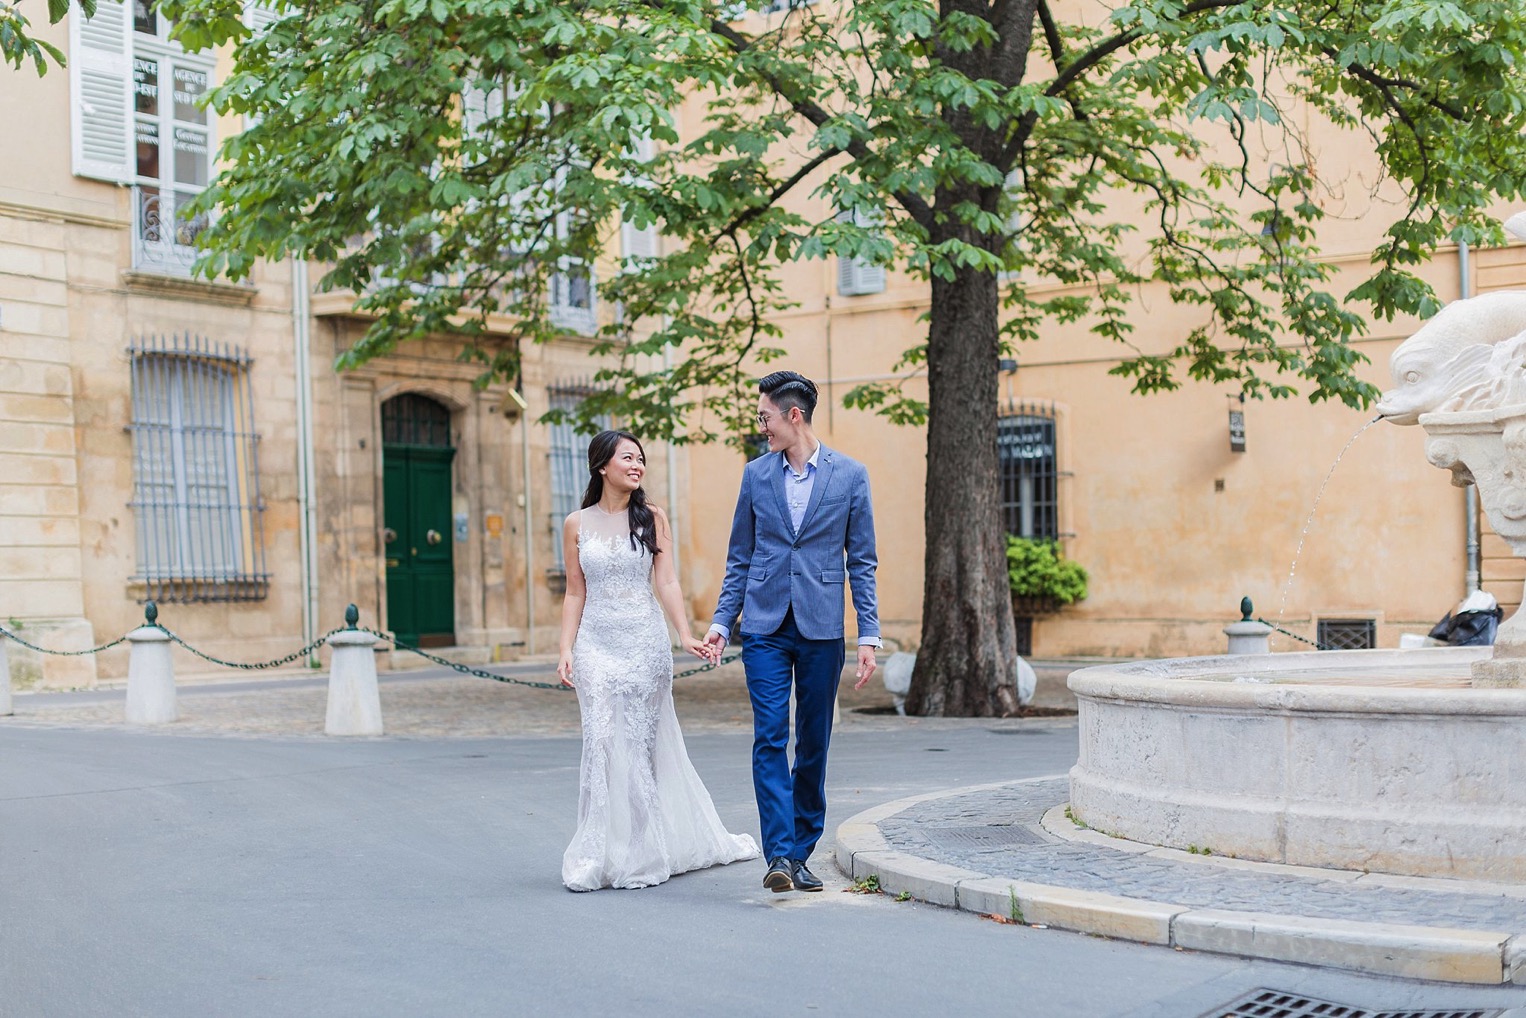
(164, 237)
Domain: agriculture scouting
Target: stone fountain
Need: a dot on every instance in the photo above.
(1397, 761)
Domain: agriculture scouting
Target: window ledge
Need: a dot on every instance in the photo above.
(181, 286)
(188, 590)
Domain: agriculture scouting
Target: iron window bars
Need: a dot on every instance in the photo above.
(196, 505)
(569, 460)
(411, 419)
(1027, 465)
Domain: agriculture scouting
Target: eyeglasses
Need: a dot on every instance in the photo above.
(764, 418)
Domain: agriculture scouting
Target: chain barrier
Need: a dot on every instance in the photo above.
(8, 635)
(255, 665)
(1301, 639)
(483, 674)
(351, 616)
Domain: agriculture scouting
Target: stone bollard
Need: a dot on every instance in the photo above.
(354, 706)
(150, 674)
(896, 675)
(1248, 636)
(6, 710)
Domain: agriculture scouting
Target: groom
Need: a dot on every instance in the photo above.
(803, 525)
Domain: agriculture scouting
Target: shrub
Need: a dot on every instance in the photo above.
(1036, 569)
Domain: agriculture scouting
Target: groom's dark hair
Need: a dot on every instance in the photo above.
(790, 389)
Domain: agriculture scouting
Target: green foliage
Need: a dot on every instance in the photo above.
(17, 45)
(868, 885)
(1037, 569)
(1099, 155)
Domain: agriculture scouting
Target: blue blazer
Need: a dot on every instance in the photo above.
(770, 567)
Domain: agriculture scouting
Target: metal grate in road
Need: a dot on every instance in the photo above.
(1280, 1004)
(986, 836)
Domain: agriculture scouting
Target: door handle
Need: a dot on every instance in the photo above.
(393, 563)
(433, 537)
(413, 551)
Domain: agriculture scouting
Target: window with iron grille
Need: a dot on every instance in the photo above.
(411, 419)
(1346, 634)
(569, 461)
(196, 505)
(1023, 625)
(1025, 447)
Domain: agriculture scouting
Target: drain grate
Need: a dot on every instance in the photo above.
(981, 837)
(1279, 1004)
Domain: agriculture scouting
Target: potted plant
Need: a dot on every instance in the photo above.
(1043, 580)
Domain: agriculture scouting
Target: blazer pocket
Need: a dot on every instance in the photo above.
(839, 500)
(831, 577)
(757, 575)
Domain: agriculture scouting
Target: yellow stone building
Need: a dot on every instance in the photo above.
(165, 438)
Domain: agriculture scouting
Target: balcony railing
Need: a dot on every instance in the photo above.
(164, 237)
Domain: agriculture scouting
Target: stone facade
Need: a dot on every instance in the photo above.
(76, 294)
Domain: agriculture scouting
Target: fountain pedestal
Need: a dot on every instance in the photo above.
(1487, 448)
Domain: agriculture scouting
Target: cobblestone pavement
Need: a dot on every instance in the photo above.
(949, 830)
(437, 704)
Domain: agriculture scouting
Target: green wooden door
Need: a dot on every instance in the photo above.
(421, 606)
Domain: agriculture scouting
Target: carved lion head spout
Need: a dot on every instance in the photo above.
(1470, 356)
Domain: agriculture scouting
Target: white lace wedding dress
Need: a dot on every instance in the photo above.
(643, 813)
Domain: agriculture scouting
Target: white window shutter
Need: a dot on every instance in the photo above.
(100, 79)
(478, 106)
(636, 243)
(259, 16)
(856, 277)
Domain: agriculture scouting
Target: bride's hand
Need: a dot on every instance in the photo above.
(699, 650)
(564, 668)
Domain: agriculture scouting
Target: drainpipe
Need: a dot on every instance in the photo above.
(524, 441)
(672, 460)
(1470, 493)
(301, 321)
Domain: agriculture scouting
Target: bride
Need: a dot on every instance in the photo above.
(643, 813)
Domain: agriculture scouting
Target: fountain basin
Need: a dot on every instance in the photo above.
(1377, 760)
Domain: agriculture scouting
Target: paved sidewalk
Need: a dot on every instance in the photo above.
(1011, 850)
(443, 704)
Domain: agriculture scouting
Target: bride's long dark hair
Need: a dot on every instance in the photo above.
(600, 451)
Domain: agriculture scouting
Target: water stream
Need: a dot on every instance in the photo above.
(1309, 522)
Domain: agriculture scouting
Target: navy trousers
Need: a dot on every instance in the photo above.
(792, 802)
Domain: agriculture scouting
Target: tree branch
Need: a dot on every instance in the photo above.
(1103, 50)
(1388, 84)
(748, 215)
(913, 203)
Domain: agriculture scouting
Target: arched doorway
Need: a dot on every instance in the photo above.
(416, 457)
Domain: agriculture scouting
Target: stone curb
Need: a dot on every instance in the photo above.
(1413, 952)
(1055, 822)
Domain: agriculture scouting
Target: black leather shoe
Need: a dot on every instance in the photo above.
(781, 875)
(804, 879)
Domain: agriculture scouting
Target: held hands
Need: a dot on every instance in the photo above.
(866, 665)
(715, 645)
(564, 668)
(700, 650)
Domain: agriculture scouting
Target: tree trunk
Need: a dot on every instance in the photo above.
(967, 664)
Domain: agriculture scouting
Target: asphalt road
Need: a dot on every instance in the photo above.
(167, 876)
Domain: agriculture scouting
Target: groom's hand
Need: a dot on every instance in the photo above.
(866, 665)
(715, 643)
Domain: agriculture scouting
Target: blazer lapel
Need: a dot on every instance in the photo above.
(824, 466)
(776, 467)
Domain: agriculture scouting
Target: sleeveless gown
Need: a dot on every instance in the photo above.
(643, 813)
